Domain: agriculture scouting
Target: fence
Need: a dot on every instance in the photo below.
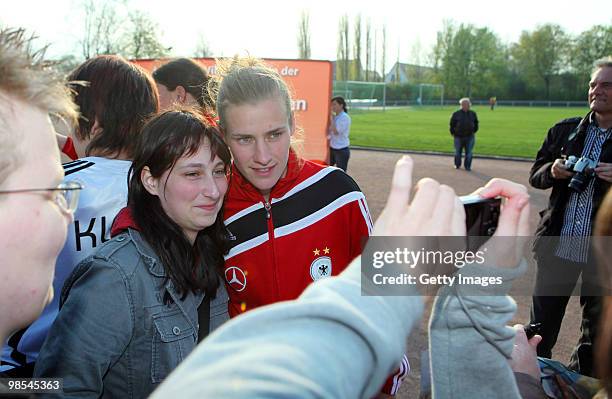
(511, 103)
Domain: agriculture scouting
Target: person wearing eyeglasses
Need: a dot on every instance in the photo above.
(35, 205)
(114, 103)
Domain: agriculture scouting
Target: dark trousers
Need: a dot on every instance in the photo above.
(339, 157)
(467, 144)
(556, 276)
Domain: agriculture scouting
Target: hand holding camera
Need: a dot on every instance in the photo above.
(559, 171)
(584, 171)
(507, 244)
(580, 170)
(435, 209)
(604, 171)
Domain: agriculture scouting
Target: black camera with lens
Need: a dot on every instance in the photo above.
(584, 169)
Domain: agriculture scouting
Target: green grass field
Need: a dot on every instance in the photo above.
(507, 131)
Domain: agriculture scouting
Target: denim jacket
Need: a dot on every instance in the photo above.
(114, 337)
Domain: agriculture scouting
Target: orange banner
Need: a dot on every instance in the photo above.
(311, 83)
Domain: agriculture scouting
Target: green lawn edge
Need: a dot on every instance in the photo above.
(505, 132)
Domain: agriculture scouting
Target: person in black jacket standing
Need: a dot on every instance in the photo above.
(562, 247)
(463, 126)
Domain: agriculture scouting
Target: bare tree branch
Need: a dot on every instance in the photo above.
(304, 36)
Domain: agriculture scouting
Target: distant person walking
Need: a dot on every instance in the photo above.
(492, 103)
(463, 126)
(339, 129)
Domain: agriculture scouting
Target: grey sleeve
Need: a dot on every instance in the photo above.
(333, 342)
(470, 341)
(90, 333)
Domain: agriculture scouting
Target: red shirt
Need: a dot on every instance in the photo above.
(69, 150)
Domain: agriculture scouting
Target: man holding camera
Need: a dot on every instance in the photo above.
(576, 161)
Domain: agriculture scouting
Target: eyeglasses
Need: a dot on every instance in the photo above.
(66, 195)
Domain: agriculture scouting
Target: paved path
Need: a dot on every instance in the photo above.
(373, 169)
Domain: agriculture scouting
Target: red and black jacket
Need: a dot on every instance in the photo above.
(314, 224)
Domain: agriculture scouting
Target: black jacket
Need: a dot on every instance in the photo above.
(564, 139)
(463, 124)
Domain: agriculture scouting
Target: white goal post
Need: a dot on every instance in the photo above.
(433, 86)
(361, 94)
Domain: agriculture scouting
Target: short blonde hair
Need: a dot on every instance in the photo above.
(246, 80)
(26, 76)
(249, 80)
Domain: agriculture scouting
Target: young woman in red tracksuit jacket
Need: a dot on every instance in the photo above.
(310, 226)
(291, 221)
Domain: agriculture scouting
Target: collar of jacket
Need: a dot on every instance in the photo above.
(156, 268)
(123, 221)
(583, 126)
(579, 132)
(239, 186)
(576, 138)
(591, 118)
(147, 254)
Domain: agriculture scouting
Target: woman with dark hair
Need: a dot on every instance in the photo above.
(181, 81)
(130, 312)
(339, 130)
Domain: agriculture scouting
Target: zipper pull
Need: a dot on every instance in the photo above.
(268, 207)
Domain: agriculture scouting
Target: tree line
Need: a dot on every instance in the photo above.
(545, 63)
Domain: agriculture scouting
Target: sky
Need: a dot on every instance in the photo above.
(268, 28)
